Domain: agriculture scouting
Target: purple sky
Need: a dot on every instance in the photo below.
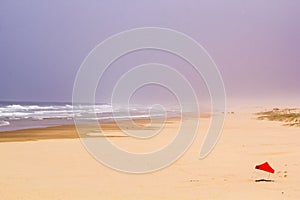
(255, 43)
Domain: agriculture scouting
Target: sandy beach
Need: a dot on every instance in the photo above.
(147, 72)
(51, 163)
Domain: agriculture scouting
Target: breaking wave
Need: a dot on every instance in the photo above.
(4, 123)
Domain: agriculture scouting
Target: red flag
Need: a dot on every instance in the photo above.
(265, 167)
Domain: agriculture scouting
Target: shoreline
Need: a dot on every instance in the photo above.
(70, 132)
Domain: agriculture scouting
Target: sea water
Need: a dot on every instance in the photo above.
(24, 115)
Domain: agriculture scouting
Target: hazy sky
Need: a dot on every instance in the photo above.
(255, 43)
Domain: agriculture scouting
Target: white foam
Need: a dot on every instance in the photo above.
(85, 112)
(15, 106)
(94, 134)
(13, 114)
(4, 123)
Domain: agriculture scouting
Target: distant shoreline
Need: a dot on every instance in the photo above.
(70, 132)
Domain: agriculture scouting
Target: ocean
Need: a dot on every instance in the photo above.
(25, 115)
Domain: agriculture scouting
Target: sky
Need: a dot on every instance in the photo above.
(255, 44)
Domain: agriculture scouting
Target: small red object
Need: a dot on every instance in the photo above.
(265, 167)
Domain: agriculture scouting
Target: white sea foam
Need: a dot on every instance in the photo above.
(124, 117)
(94, 134)
(15, 111)
(18, 116)
(16, 106)
(55, 114)
(4, 123)
(13, 114)
(27, 107)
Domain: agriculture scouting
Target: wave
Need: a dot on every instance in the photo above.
(4, 123)
(19, 116)
(67, 111)
(15, 106)
(28, 107)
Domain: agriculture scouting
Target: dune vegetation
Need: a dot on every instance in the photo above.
(290, 116)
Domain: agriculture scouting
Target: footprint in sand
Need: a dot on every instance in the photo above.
(285, 174)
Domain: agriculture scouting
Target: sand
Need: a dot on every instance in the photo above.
(55, 165)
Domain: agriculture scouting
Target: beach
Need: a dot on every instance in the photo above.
(143, 100)
(51, 163)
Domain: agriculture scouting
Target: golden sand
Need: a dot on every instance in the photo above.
(56, 165)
